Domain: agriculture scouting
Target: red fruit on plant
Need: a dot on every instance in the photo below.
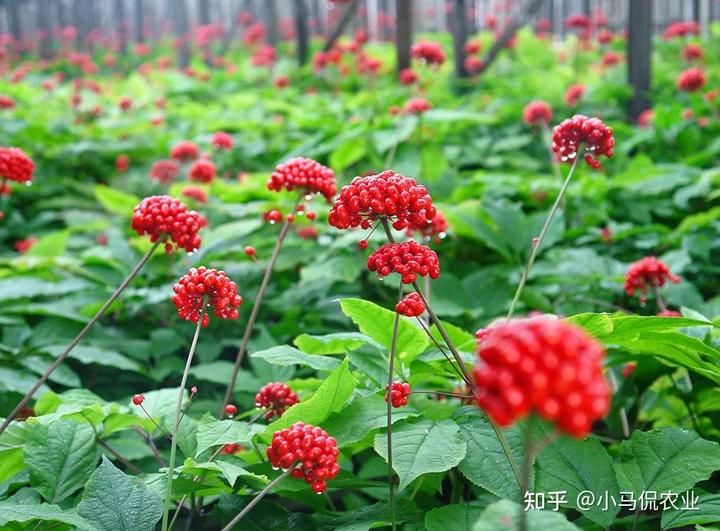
(628, 369)
(306, 175)
(281, 81)
(480, 335)
(386, 195)
(537, 112)
(542, 366)
(273, 216)
(193, 192)
(669, 313)
(611, 59)
(473, 64)
(25, 245)
(311, 216)
(411, 305)
(15, 165)
(691, 80)
(363, 244)
(408, 76)
(221, 140)
(290, 218)
(231, 449)
(138, 399)
(193, 390)
(230, 409)
(276, 398)
(399, 393)
(202, 171)
(577, 132)
(429, 52)
(203, 287)
(472, 47)
(648, 273)
(310, 449)
(122, 163)
(101, 239)
(408, 259)
(693, 52)
(125, 103)
(164, 171)
(574, 94)
(184, 151)
(308, 233)
(646, 117)
(167, 219)
(682, 28)
(250, 251)
(578, 21)
(6, 102)
(417, 106)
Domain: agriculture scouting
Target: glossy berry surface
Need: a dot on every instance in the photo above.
(311, 449)
(399, 393)
(387, 194)
(542, 366)
(230, 409)
(408, 259)
(138, 399)
(305, 175)
(646, 274)
(411, 305)
(580, 132)
(15, 165)
(167, 219)
(202, 288)
(276, 397)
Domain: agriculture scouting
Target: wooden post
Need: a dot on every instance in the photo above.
(61, 14)
(181, 32)
(45, 30)
(301, 28)
(204, 12)
(271, 22)
(121, 25)
(403, 33)
(347, 16)
(639, 49)
(139, 20)
(460, 32)
(14, 22)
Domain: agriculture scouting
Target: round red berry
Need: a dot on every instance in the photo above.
(230, 409)
(399, 393)
(537, 112)
(250, 251)
(409, 259)
(201, 288)
(184, 151)
(311, 216)
(310, 449)
(543, 366)
(363, 244)
(417, 106)
(411, 305)
(434, 229)
(691, 80)
(221, 140)
(276, 398)
(193, 390)
(15, 165)
(202, 171)
(273, 216)
(167, 219)
(385, 195)
(648, 273)
(138, 399)
(590, 134)
(306, 175)
(195, 193)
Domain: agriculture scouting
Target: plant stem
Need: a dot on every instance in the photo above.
(442, 350)
(28, 396)
(443, 393)
(255, 309)
(527, 470)
(257, 498)
(149, 440)
(543, 233)
(176, 424)
(555, 165)
(659, 300)
(388, 399)
(135, 470)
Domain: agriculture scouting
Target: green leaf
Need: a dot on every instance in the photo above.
(597, 325)
(60, 457)
(363, 415)
(230, 471)
(708, 512)
(116, 201)
(286, 355)
(212, 432)
(330, 397)
(377, 322)
(457, 517)
(665, 459)
(573, 466)
(11, 462)
(347, 154)
(95, 355)
(372, 516)
(339, 343)
(486, 464)
(504, 515)
(114, 501)
(50, 245)
(27, 512)
(422, 446)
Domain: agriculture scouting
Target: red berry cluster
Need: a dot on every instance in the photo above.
(193, 192)
(473, 64)
(682, 28)
(669, 313)
(537, 112)
(693, 52)
(411, 305)
(164, 171)
(434, 229)
(408, 76)
(580, 131)
(273, 216)
(647, 273)
(221, 140)
(303, 174)
(387, 194)
(574, 94)
(201, 287)
(578, 21)
(311, 447)
(232, 449)
(480, 335)
(417, 106)
(399, 393)
(691, 80)
(276, 397)
(543, 366)
(202, 171)
(611, 59)
(184, 151)
(430, 52)
(6, 102)
(15, 165)
(167, 219)
(408, 259)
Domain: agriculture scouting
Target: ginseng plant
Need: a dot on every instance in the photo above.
(167, 221)
(307, 177)
(15, 166)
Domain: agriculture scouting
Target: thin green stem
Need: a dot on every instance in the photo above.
(176, 424)
(538, 243)
(659, 299)
(442, 350)
(388, 399)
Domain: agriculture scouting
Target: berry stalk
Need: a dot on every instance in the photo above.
(28, 396)
(257, 499)
(256, 309)
(537, 244)
(391, 370)
(178, 411)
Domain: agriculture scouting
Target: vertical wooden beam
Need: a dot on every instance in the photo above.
(204, 12)
(639, 55)
(460, 33)
(120, 17)
(14, 22)
(61, 15)
(181, 32)
(403, 32)
(271, 22)
(44, 29)
(139, 20)
(301, 29)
